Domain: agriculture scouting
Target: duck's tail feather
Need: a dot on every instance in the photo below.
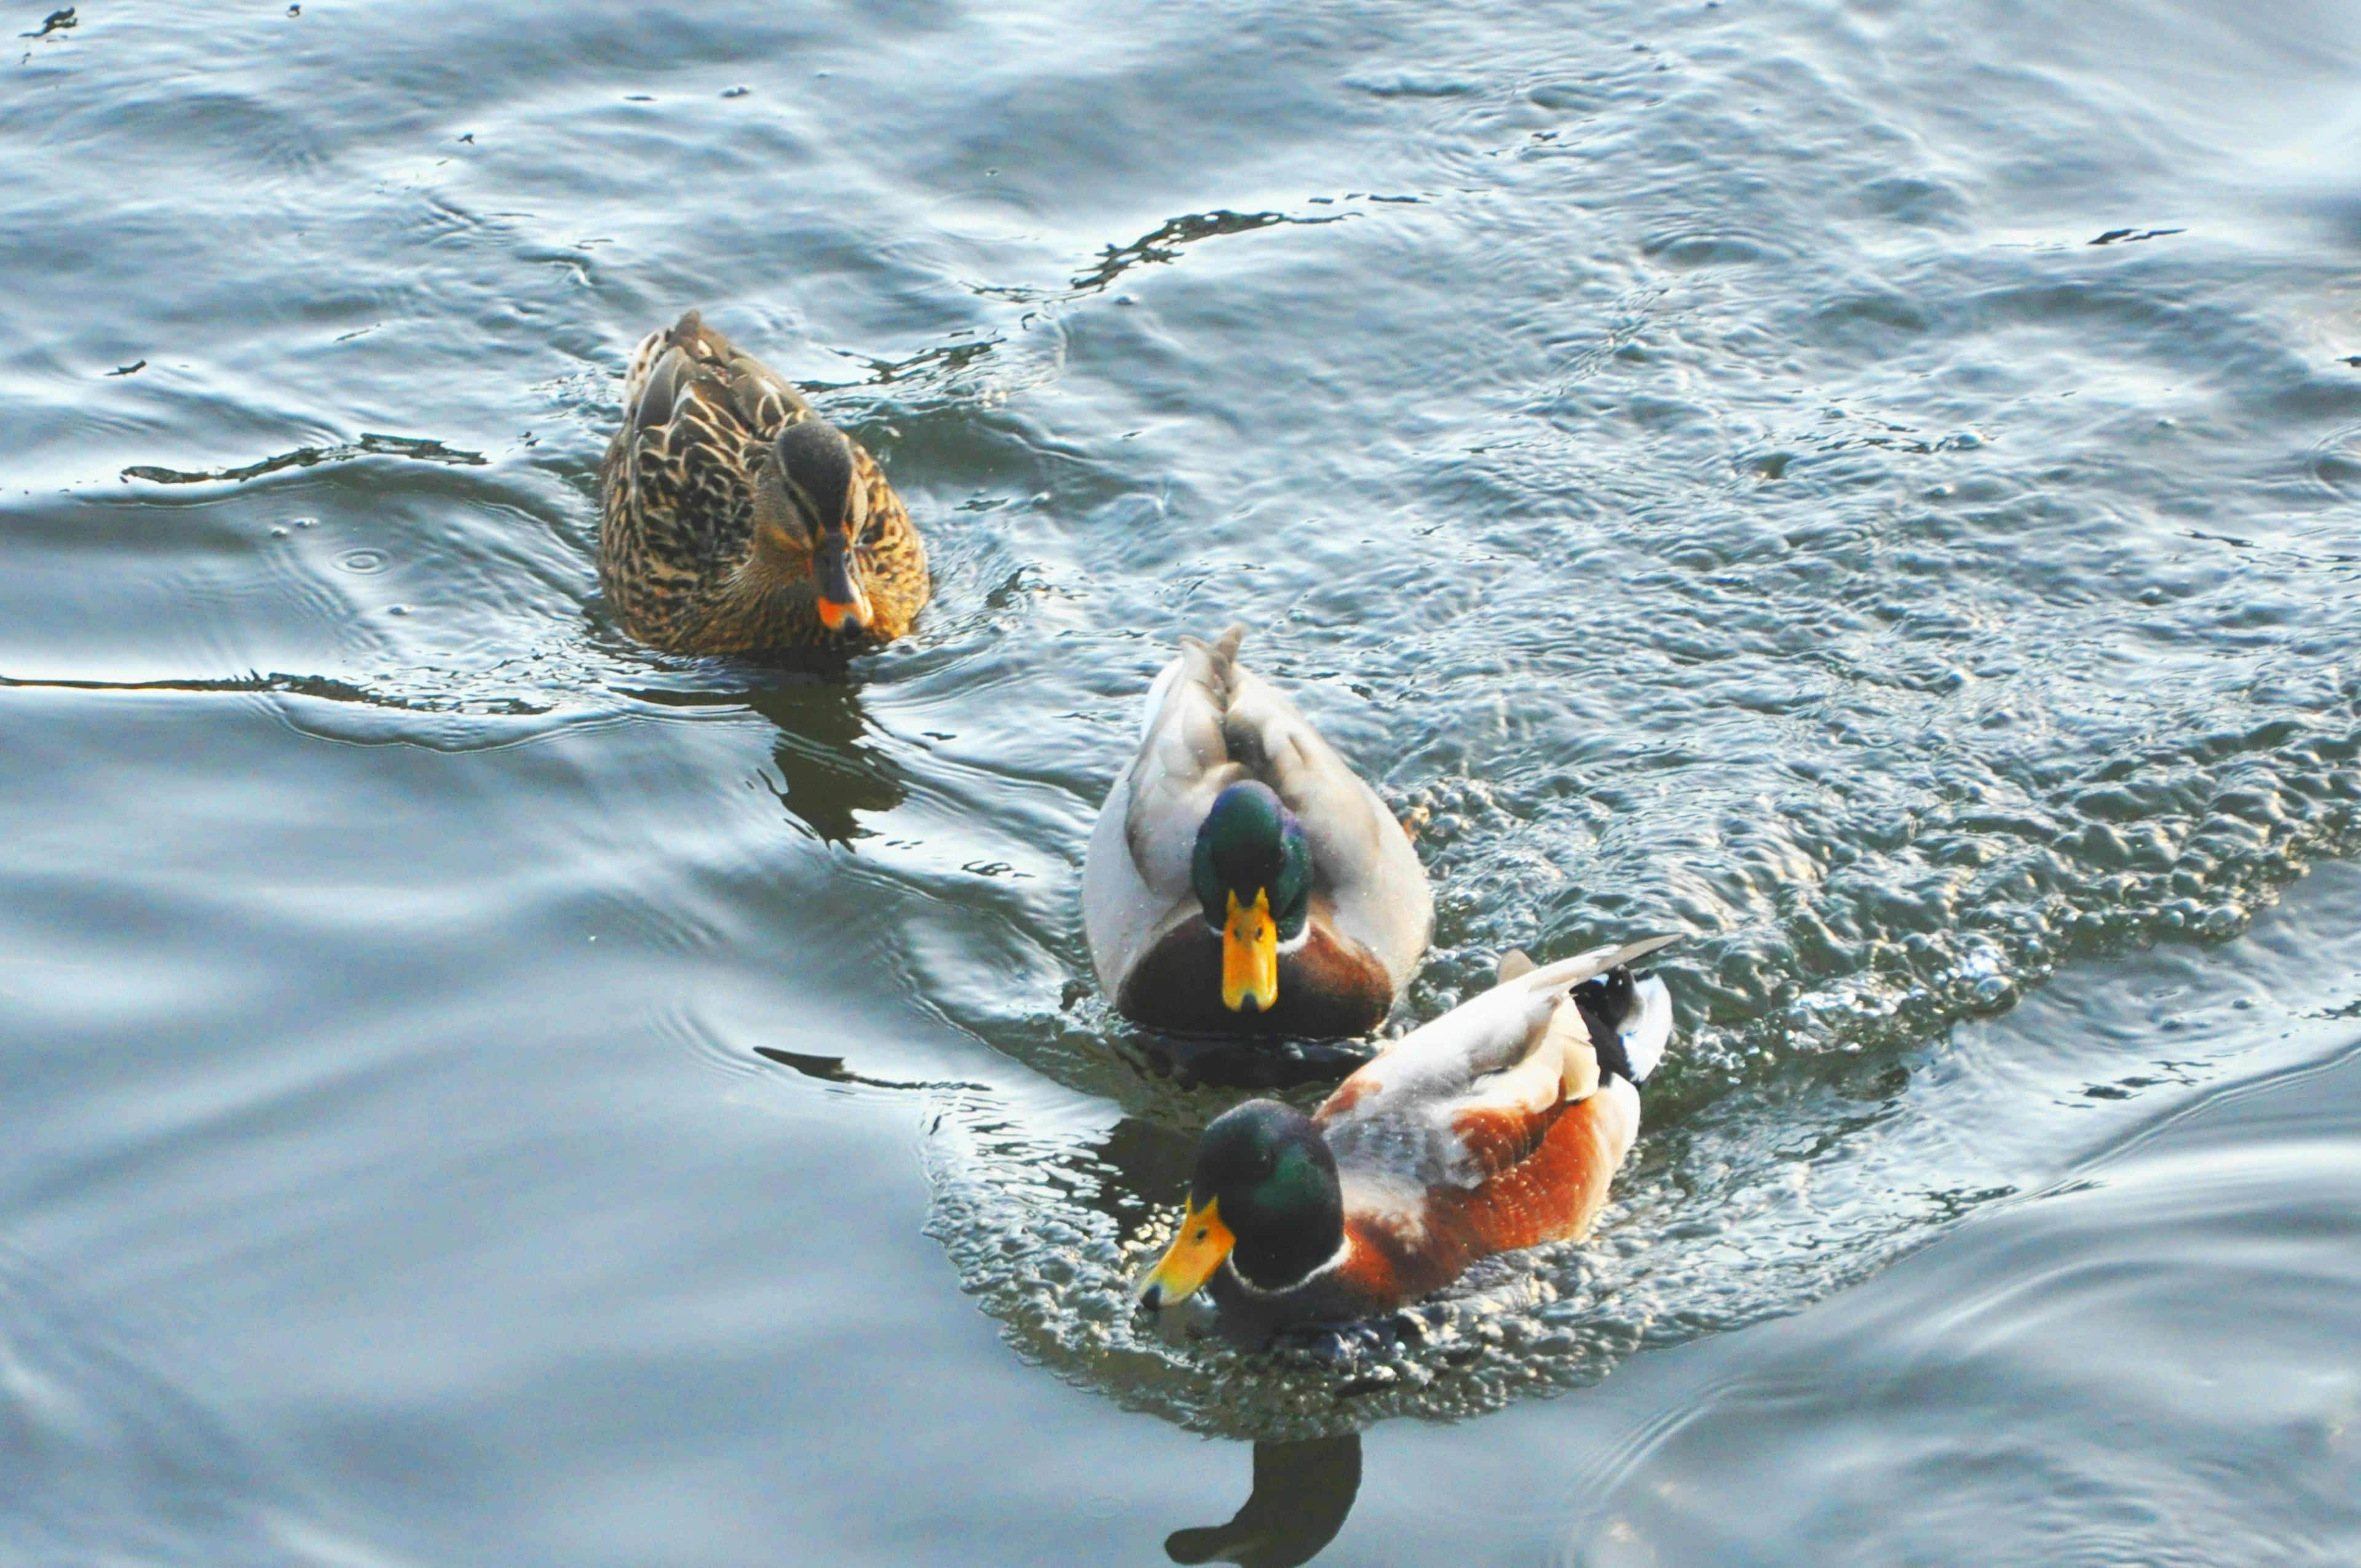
(1221, 657)
(733, 381)
(1648, 1027)
(665, 361)
(1629, 1021)
(1222, 660)
(701, 341)
(644, 360)
(1629, 1018)
(1157, 691)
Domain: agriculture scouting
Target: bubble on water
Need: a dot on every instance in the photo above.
(361, 562)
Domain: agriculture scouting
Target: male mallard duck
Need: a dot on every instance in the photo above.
(1497, 1126)
(733, 519)
(1242, 879)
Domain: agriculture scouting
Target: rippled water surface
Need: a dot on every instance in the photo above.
(1874, 487)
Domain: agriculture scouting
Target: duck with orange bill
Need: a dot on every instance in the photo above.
(734, 519)
(1496, 1127)
(1242, 879)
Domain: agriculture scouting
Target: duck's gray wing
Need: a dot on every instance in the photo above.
(1135, 872)
(1183, 763)
(1360, 848)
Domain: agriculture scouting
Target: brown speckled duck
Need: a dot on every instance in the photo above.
(734, 519)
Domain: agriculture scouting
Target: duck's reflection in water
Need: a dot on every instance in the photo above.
(1144, 1165)
(1216, 1062)
(831, 773)
(1302, 1493)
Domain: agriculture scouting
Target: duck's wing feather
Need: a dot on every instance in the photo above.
(1183, 763)
(1363, 857)
(1473, 1092)
(693, 373)
(1136, 873)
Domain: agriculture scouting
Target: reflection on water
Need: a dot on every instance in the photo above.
(1229, 1063)
(832, 1069)
(1302, 1492)
(91, 1435)
(831, 774)
(1144, 1165)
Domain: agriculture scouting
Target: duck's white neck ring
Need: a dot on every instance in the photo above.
(1336, 1261)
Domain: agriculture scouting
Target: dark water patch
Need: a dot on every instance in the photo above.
(940, 363)
(416, 448)
(1303, 1494)
(319, 686)
(1160, 246)
(1225, 1064)
(1163, 244)
(832, 1069)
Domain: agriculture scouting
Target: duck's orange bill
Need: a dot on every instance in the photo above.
(1250, 955)
(836, 583)
(834, 613)
(1191, 1258)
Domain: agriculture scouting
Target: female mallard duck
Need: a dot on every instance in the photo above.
(1497, 1126)
(734, 519)
(1242, 879)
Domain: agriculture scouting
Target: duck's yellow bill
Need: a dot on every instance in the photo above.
(1191, 1258)
(1250, 955)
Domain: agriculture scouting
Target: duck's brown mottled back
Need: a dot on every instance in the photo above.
(683, 555)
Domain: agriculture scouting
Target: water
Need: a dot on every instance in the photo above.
(1701, 454)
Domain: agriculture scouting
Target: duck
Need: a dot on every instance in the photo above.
(732, 519)
(1497, 1127)
(1242, 879)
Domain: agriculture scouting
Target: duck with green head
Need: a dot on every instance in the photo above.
(1242, 878)
(1496, 1127)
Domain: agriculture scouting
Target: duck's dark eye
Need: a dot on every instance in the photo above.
(1201, 1234)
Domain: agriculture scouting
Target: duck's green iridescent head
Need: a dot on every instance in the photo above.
(1252, 873)
(1265, 1196)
